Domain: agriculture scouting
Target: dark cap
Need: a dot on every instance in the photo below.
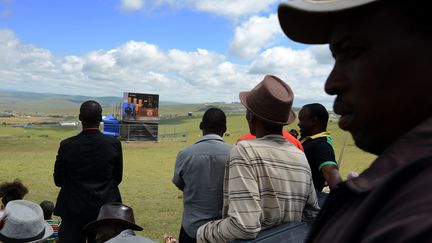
(114, 213)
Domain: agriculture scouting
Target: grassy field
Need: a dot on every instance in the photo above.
(29, 154)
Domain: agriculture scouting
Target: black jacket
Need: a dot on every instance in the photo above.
(391, 201)
(88, 169)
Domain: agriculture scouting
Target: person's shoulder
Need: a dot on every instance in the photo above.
(69, 140)
(399, 218)
(107, 138)
(418, 171)
(188, 150)
(227, 146)
(245, 147)
(142, 239)
(318, 143)
(186, 154)
(246, 143)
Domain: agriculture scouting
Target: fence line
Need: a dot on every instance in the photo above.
(130, 132)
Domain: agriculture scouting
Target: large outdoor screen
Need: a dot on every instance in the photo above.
(140, 107)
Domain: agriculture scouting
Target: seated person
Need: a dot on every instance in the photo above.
(116, 223)
(12, 191)
(48, 209)
(23, 221)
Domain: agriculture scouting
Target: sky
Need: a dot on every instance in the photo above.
(189, 51)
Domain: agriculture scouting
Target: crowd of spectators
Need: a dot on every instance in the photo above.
(382, 79)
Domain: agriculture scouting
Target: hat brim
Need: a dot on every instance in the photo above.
(93, 225)
(243, 99)
(47, 234)
(312, 22)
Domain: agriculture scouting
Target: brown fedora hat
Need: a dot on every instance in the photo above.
(271, 100)
(115, 213)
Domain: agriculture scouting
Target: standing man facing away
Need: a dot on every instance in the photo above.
(318, 147)
(199, 173)
(88, 169)
(268, 181)
(382, 79)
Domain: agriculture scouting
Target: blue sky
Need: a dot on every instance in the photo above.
(186, 51)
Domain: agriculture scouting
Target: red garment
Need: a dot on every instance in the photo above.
(290, 138)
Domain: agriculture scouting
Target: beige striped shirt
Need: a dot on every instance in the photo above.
(267, 182)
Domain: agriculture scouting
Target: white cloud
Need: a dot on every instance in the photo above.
(177, 75)
(253, 35)
(232, 9)
(19, 58)
(304, 70)
(131, 5)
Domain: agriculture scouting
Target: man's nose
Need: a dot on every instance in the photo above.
(336, 81)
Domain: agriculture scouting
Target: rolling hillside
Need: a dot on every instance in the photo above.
(57, 104)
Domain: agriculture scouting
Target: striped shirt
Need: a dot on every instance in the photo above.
(267, 182)
(55, 225)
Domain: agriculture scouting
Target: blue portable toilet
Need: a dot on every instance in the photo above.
(111, 125)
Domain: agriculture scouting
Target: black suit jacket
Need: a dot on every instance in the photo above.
(88, 169)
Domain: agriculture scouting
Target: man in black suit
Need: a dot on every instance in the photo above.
(88, 169)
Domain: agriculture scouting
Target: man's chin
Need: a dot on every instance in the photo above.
(368, 143)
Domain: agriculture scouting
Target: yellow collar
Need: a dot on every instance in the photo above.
(318, 135)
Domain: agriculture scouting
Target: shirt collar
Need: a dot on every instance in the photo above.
(318, 135)
(127, 232)
(276, 137)
(210, 137)
(410, 147)
(90, 129)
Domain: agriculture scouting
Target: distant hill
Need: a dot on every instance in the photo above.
(29, 102)
(46, 103)
(49, 104)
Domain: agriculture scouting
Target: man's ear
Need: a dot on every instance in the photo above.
(222, 131)
(201, 126)
(252, 125)
(80, 117)
(253, 119)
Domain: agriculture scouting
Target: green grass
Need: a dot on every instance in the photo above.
(29, 154)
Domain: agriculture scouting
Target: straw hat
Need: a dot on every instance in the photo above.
(24, 222)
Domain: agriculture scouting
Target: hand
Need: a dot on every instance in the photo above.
(169, 239)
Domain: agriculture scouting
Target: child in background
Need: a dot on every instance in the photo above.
(12, 191)
(48, 209)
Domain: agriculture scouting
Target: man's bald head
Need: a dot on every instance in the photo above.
(90, 114)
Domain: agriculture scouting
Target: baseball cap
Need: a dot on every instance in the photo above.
(311, 21)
